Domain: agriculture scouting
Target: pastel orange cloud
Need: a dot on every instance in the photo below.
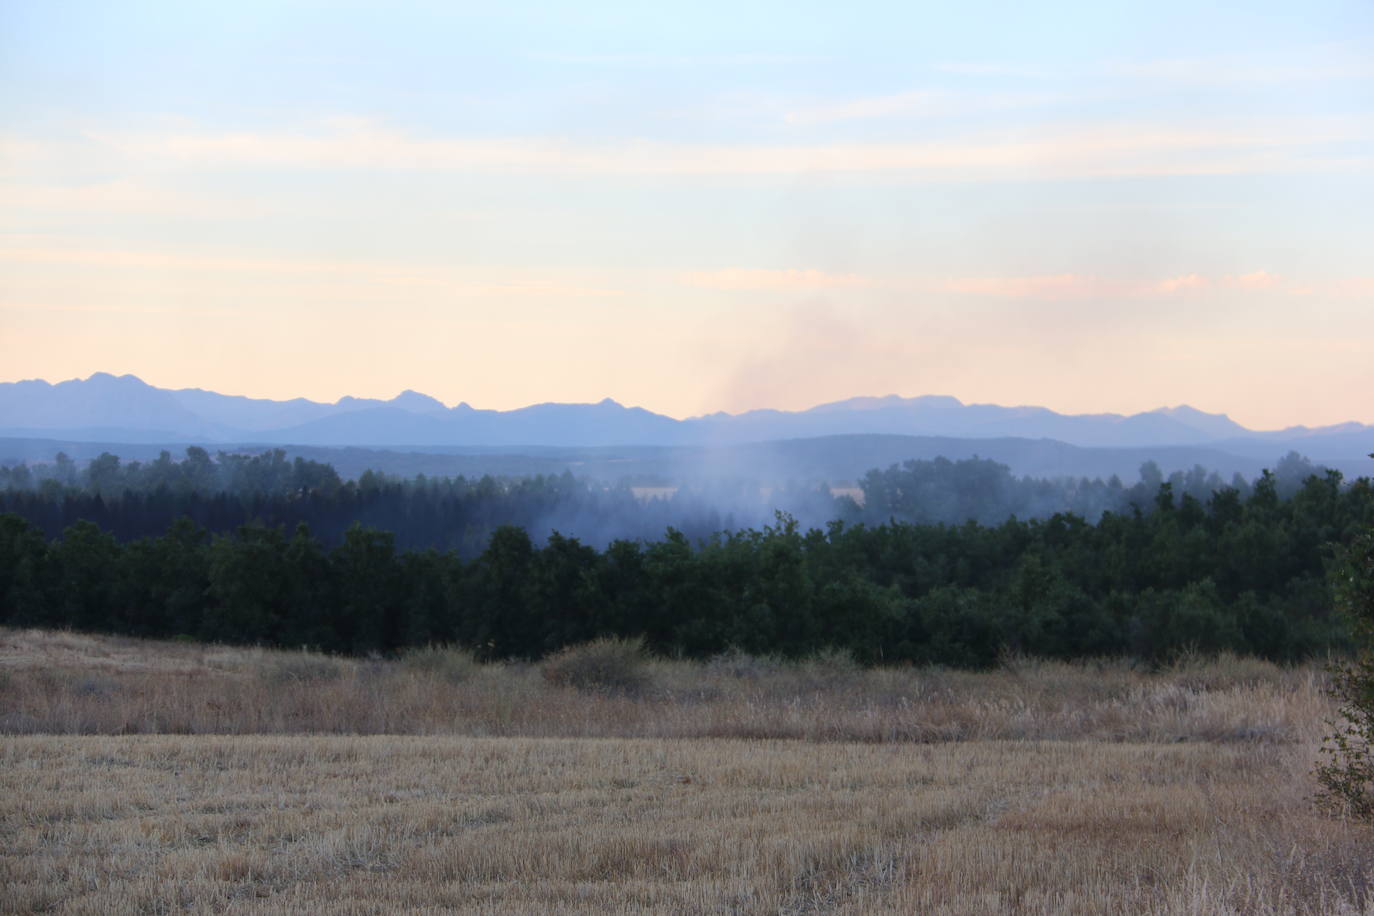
(1055, 286)
(778, 280)
(1185, 283)
(1260, 279)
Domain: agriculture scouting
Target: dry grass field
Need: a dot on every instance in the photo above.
(152, 777)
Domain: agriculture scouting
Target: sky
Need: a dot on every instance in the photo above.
(1089, 206)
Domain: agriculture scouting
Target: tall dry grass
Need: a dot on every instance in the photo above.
(302, 783)
(66, 683)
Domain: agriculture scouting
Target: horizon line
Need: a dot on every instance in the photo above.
(1163, 409)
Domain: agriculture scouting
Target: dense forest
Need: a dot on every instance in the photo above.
(134, 499)
(927, 570)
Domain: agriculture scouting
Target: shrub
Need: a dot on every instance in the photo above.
(449, 663)
(829, 668)
(1347, 776)
(742, 666)
(605, 665)
(302, 668)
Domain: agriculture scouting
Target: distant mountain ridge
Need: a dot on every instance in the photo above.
(123, 408)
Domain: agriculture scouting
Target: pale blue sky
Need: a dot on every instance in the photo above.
(1088, 206)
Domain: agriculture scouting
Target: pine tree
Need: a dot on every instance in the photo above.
(1347, 775)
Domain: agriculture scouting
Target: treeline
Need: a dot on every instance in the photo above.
(974, 489)
(221, 493)
(269, 473)
(1238, 571)
(136, 499)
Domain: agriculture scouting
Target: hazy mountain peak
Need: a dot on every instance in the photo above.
(937, 401)
(417, 402)
(1349, 426)
(1184, 411)
(107, 378)
(99, 401)
(864, 403)
(124, 408)
(1213, 424)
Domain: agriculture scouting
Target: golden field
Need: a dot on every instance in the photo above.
(156, 777)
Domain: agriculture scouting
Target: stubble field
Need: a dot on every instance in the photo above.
(158, 777)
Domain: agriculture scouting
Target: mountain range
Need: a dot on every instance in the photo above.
(124, 409)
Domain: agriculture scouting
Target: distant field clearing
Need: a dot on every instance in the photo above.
(645, 494)
(854, 493)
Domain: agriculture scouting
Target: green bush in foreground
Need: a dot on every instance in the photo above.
(1347, 776)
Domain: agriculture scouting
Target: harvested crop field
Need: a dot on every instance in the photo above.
(554, 822)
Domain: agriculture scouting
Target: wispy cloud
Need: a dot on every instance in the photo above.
(1084, 286)
(86, 309)
(1053, 286)
(461, 281)
(1184, 283)
(678, 61)
(1334, 61)
(123, 196)
(164, 260)
(1260, 279)
(18, 151)
(991, 68)
(1338, 63)
(918, 103)
(1063, 152)
(772, 280)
